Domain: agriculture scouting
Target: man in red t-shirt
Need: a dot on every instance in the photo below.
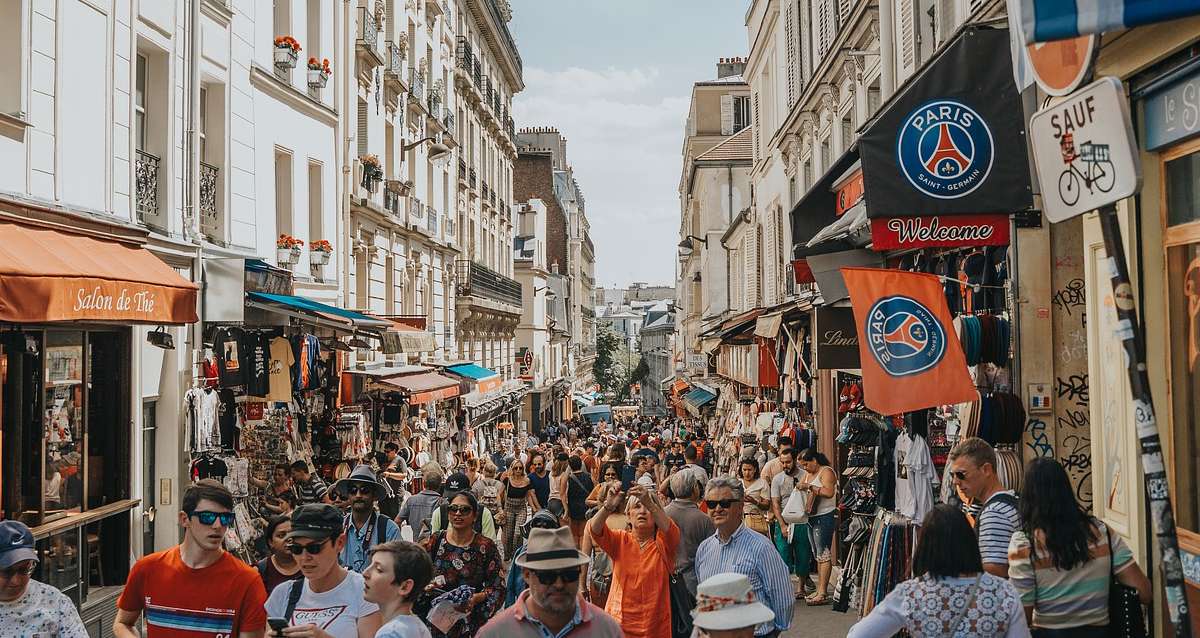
(195, 589)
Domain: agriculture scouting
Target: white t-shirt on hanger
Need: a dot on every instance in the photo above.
(914, 477)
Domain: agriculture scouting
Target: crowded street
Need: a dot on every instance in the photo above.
(599, 318)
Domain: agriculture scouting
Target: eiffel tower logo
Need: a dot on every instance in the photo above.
(946, 152)
(911, 333)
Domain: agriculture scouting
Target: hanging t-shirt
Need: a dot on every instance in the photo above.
(336, 612)
(915, 477)
(227, 417)
(282, 360)
(255, 363)
(180, 602)
(227, 346)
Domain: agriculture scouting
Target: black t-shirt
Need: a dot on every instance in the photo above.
(209, 467)
(579, 485)
(227, 417)
(227, 346)
(256, 363)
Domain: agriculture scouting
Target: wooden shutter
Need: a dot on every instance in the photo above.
(770, 260)
(946, 19)
(727, 114)
(906, 21)
(824, 23)
(793, 64)
(757, 128)
(362, 128)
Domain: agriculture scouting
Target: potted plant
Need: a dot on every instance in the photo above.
(372, 171)
(319, 252)
(287, 250)
(287, 51)
(318, 73)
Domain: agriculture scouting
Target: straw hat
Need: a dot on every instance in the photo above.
(726, 601)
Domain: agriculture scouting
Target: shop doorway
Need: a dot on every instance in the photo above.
(149, 474)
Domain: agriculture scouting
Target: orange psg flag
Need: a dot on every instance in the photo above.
(911, 356)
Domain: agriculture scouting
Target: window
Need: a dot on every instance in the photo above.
(139, 104)
(741, 112)
(283, 192)
(847, 128)
(312, 43)
(873, 99)
(11, 40)
(316, 217)
(203, 117)
(826, 155)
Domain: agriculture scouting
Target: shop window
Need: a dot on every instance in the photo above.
(67, 446)
(1181, 176)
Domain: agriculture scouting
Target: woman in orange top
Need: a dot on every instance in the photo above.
(643, 559)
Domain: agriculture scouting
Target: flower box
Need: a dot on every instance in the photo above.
(285, 58)
(287, 256)
(317, 79)
(318, 257)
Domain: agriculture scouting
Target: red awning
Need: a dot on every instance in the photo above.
(425, 387)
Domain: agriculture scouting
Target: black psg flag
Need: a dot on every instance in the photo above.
(953, 141)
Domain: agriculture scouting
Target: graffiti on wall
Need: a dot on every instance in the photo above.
(1072, 428)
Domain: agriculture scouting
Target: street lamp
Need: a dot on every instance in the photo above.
(688, 244)
(550, 294)
(437, 150)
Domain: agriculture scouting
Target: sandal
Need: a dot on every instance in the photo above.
(816, 601)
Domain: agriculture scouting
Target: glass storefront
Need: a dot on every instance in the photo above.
(64, 413)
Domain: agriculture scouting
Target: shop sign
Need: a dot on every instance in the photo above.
(525, 363)
(1173, 113)
(836, 339)
(939, 231)
(951, 143)
(697, 361)
(1084, 151)
(1061, 66)
(848, 193)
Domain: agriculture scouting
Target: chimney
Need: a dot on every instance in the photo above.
(727, 67)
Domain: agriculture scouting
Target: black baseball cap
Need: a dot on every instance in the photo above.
(318, 520)
(457, 482)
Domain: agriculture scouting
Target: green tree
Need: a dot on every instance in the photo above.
(605, 368)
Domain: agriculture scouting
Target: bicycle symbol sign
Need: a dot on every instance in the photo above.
(1084, 151)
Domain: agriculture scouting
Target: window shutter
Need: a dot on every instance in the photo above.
(843, 11)
(908, 37)
(727, 114)
(770, 260)
(946, 19)
(757, 130)
(789, 29)
(824, 19)
(362, 128)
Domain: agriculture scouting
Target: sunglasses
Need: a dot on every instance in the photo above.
(9, 573)
(360, 489)
(724, 503)
(565, 575)
(311, 548)
(959, 475)
(460, 509)
(208, 518)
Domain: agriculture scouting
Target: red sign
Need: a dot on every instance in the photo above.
(1061, 66)
(848, 193)
(803, 272)
(891, 233)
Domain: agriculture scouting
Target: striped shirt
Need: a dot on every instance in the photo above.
(1071, 598)
(995, 527)
(750, 553)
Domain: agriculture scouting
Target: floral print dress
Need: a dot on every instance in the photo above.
(477, 565)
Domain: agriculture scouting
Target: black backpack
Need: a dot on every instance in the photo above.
(1007, 499)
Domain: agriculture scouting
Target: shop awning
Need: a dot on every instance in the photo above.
(818, 208)
(487, 380)
(355, 319)
(397, 341)
(425, 387)
(584, 400)
(851, 230)
(54, 275)
(768, 325)
(1046, 20)
(696, 399)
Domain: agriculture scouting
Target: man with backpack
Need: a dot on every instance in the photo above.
(365, 526)
(973, 469)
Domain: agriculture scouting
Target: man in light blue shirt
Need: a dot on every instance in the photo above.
(365, 526)
(736, 548)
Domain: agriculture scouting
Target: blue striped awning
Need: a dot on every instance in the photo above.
(1046, 20)
(698, 397)
(471, 371)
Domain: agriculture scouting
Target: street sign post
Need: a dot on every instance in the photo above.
(1084, 151)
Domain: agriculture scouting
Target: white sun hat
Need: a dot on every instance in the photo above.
(726, 601)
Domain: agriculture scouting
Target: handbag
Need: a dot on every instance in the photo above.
(796, 508)
(1126, 618)
(758, 523)
(682, 603)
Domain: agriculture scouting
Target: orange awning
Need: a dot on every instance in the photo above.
(52, 275)
(424, 388)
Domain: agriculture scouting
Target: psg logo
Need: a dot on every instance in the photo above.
(945, 149)
(904, 336)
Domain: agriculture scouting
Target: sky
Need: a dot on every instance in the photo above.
(615, 78)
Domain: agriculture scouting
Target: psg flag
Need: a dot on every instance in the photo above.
(911, 357)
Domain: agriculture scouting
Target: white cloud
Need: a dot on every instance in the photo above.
(624, 143)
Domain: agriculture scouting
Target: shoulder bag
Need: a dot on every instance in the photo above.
(682, 603)
(1125, 615)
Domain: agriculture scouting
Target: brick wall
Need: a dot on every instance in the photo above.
(533, 178)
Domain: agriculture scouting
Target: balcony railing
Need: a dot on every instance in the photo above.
(462, 53)
(432, 221)
(462, 169)
(416, 83)
(485, 89)
(416, 208)
(484, 189)
(146, 185)
(434, 102)
(391, 202)
(368, 32)
(476, 72)
(491, 197)
(210, 224)
(395, 65)
(448, 121)
(471, 178)
(478, 280)
(512, 128)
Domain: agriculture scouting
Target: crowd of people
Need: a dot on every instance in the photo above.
(635, 528)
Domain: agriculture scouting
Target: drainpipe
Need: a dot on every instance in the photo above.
(887, 50)
(728, 221)
(342, 149)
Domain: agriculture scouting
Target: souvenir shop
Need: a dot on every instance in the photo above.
(893, 462)
(73, 293)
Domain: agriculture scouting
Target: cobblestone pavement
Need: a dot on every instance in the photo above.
(820, 621)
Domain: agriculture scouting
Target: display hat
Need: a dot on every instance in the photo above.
(363, 474)
(726, 601)
(551, 549)
(316, 520)
(16, 543)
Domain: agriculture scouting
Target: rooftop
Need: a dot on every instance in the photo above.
(739, 146)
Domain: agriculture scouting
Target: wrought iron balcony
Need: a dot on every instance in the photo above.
(448, 121)
(477, 280)
(476, 72)
(471, 178)
(146, 185)
(415, 208)
(395, 68)
(462, 53)
(210, 223)
(368, 32)
(462, 169)
(484, 189)
(434, 102)
(512, 129)
(416, 84)
(491, 197)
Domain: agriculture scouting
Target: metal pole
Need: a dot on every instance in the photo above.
(1158, 492)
